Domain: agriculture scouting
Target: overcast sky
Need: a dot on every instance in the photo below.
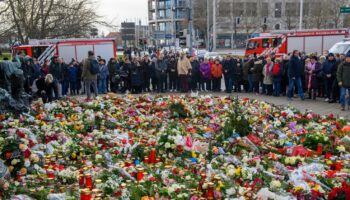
(117, 11)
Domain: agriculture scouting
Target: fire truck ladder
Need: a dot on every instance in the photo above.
(47, 54)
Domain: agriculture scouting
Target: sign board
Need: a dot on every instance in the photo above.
(344, 9)
(159, 35)
(168, 36)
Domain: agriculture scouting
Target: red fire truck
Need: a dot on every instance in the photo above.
(68, 48)
(284, 42)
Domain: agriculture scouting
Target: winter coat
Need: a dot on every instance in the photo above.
(172, 68)
(216, 70)
(343, 74)
(247, 68)
(205, 70)
(257, 71)
(238, 72)
(295, 67)
(64, 68)
(278, 77)
(136, 74)
(329, 67)
(86, 69)
(268, 73)
(311, 81)
(103, 72)
(161, 67)
(113, 68)
(43, 86)
(195, 69)
(44, 70)
(56, 71)
(183, 66)
(73, 73)
(229, 67)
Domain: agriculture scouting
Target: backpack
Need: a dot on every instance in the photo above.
(276, 69)
(94, 67)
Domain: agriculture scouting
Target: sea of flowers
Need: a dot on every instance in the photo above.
(172, 147)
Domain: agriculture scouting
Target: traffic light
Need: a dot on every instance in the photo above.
(145, 41)
(140, 42)
(182, 39)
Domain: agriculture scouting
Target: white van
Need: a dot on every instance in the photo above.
(342, 47)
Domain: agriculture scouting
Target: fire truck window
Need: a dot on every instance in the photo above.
(265, 43)
(252, 45)
(276, 42)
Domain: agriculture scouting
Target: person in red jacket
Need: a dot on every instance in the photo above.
(216, 72)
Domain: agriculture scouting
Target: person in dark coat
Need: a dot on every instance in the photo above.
(257, 75)
(113, 69)
(124, 75)
(195, 74)
(79, 67)
(229, 66)
(152, 73)
(343, 77)
(73, 78)
(312, 69)
(284, 82)
(45, 87)
(237, 77)
(329, 72)
(136, 76)
(248, 74)
(28, 73)
(65, 81)
(146, 68)
(295, 67)
(161, 69)
(57, 73)
(172, 71)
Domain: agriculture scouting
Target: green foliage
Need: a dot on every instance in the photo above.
(236, 123)
(312, 140)
(178, 110)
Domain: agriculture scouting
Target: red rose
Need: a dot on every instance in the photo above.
(27, 153)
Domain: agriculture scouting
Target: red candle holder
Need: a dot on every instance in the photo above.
(88, 181)
(81, 180)
(319, 149)
(139, 175)
(146, 161)
(210, 192)
(152, 156)
(328, 155)
(50, 174)
(85, 194)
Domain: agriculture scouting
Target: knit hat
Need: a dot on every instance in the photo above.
(330, 55)
(348, 54)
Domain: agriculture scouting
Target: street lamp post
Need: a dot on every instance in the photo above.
(190, 25)
(214, 25)
(301, 14)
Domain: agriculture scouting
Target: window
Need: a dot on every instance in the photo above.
(278, 10)
(161, 26)
(252, 45)
(292, 9)
(251, 9)
(238, 9)
(266, 43)
(277, 27)
(276, 42)
(265, 9)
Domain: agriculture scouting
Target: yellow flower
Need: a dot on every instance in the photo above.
(238, 171)
(194, 155)
(221, 185)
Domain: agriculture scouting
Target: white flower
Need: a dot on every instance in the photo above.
(167, 145)
(188, 177)
(275, 184)
(341, 148)
(14, 162)
(231, 191)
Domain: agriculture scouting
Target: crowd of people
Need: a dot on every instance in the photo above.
(326, 76)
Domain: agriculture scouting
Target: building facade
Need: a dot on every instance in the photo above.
(166, 19)
(238, 19)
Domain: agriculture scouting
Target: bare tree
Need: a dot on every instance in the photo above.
(49, 18)
(200, 16)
